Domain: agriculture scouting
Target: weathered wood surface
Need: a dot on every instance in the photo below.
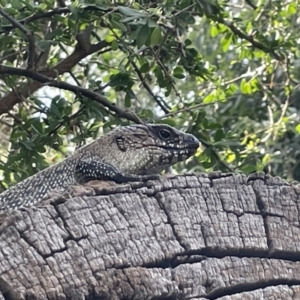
(189, 237)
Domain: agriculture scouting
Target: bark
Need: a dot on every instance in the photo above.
(210, 236)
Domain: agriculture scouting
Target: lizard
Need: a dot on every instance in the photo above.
(128, 153)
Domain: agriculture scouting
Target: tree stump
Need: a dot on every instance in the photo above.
(206, 236)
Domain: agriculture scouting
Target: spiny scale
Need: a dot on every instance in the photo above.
(128, 153)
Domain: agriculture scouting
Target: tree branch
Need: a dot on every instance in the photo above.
(147, 87)
(251, 4)
(9, 100)
(48, 14)
(73, 88)
(29, 34)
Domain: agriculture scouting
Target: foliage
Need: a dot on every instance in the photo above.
(225, 71)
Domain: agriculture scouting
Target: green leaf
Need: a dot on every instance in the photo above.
(114, 45)
(11, 11)
(226, 41)
(54, 110)
(266, 159)
(214, 31)
(40, 148)
(245, 87)
(156, 37)
(186, 17)
(16, 4)
(178, 72)
(74, 10)
(292, 8)
(159, 75)
(127, 100)
(142, 35)
(43, 45)
(120, 80)
(110, 38)
(118, 25)
(145, 68)
(131, 12)
(297, 128)
(56, 33)
(179, 76)
(209, 98)
(146, 114)
(248, 168)
(99, 5)
(168, 90)
(187, 42)
(219, 135)
(151, 23)
(28, 145)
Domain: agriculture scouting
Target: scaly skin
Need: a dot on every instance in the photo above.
(128, 153)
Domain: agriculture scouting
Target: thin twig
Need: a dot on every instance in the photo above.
(193, 107)
(246, 37)
(251, 4)
(29, 34)
(171, 81)
(146, 86)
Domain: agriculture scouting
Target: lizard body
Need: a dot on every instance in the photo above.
(128, 153)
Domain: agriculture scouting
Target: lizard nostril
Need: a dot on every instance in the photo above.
(192, 139)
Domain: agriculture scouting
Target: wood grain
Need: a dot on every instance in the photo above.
(207, 236)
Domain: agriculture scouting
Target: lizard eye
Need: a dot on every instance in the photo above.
(164, 134)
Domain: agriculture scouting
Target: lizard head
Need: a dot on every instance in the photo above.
(151, 148)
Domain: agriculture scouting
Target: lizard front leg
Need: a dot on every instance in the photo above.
(87, 170)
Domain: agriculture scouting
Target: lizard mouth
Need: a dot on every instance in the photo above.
(184, 148)
(190, 144)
